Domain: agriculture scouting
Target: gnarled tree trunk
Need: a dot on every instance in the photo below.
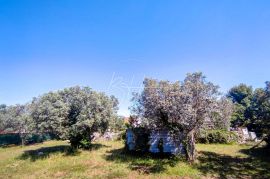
(190, 146)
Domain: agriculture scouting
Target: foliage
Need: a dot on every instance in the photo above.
(178, 107)
(37, 138)
(85, 144)
(74, 113)
(241, 96)
(3, 109)
(117, 124)
(260, 112)
(122, 136)
(48, 113)
(218, 136)
(15, 139)
(252, 109)
(223, 115)
(15, 119)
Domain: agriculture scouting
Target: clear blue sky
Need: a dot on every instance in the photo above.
(52, 44)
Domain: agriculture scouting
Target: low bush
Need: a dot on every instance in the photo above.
(37, 138)
(217, 137)
(85, 144)
(15, 139)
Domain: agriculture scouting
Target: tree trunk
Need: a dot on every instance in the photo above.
(267, 140)
(190, 147)
(22, 139)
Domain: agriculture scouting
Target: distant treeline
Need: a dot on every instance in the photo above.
(75, 113)
(15, 139)
(72, 114)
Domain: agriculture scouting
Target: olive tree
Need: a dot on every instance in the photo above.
(15, 119)
(49, 114)
(181, 108)
(223, 114)
(74, 113)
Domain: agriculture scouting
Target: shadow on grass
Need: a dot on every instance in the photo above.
(260, 153)
(255, 165)
(143, 163)
(45, 152)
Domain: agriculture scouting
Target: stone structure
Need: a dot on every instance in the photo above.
(159, 141)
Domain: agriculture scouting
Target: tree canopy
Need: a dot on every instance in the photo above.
(260, 112)
(179, 107)
(241, 96)
(73, 113)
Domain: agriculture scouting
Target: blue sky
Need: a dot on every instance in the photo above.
(112, 45)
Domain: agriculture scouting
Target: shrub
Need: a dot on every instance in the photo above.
(85, 144)
(15, 139)
(37, 138)
(217, 136)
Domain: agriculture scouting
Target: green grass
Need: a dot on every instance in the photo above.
(107, 160)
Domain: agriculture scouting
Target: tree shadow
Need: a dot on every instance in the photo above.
(142, 162)
(225, 166)
(259, 153)
(45, 152)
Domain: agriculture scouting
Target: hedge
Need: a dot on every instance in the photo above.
(15, 139)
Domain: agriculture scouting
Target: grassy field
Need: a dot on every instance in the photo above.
(55, 159)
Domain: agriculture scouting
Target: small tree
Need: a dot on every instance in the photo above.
(178, 107)
(241, 95)
(74, 114)
(260, 121)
